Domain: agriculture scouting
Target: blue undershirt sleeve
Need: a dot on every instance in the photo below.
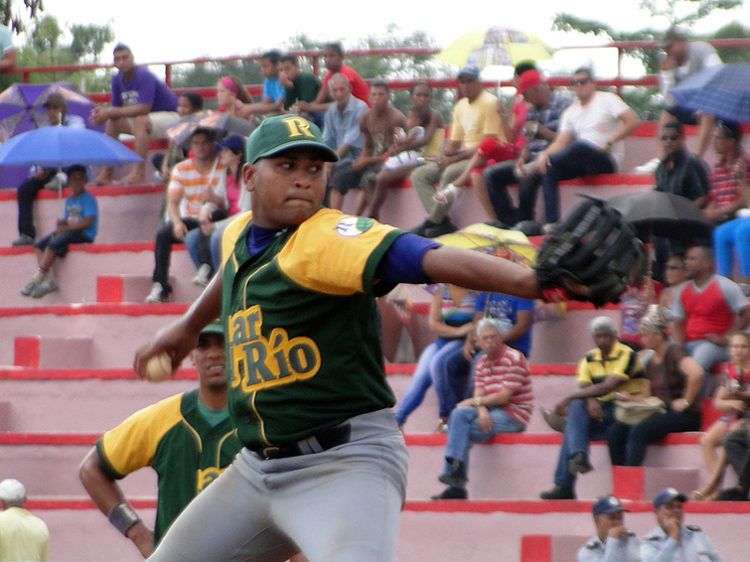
(402, 262)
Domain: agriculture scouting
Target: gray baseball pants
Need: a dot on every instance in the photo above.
(341, 505)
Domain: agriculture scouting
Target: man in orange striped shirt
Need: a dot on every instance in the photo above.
(502, 403)
(196, 196)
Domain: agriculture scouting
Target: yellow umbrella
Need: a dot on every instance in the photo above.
(483, 237)
(494, 46)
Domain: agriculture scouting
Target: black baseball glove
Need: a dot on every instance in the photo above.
(593, 255)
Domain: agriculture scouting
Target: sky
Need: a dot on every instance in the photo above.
(159, 30)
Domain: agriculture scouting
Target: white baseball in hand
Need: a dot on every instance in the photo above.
(159, 367)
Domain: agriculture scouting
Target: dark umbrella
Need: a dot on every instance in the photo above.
(221, 122)
(662, 214)
(723, 91)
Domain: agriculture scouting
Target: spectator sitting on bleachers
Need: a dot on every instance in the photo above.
(589, 140)
(634, 303)
(142, 105)
(451, 315)
(732, 399)
(77, 226)
(231, 96)
(41, 177)
(205, 240)
(705, 309)
(423, 138)
(196, 186)
(674, 275)
(610, 368)
(546, 107)
(502, 403)
(299, 86)
(729, 175)
(679, 173)
(272, 98)
(343, 133)
(378, 125)
(452, 375)
(729, 201)
(673, 378)
(188, 103)
(681, 60)
(475, 117)
(737, 451)
(672, 540)
(333, 57)
(612, 542)
(23, 536)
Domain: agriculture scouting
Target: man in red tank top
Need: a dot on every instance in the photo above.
(706, 307)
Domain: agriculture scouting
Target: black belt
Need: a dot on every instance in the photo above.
(316, 443)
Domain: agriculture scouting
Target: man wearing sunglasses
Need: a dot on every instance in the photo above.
(589, 140)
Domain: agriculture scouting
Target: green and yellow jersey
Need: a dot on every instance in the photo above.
(302, 330)
(186, 451)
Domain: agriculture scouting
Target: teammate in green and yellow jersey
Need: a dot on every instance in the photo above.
(188, 439)
(323, 464)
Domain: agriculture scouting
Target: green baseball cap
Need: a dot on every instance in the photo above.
(215, 327)
(280, 133)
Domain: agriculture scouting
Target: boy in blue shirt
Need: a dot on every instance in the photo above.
(274, 93)
(78, 226)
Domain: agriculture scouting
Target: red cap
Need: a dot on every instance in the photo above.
(527, 80)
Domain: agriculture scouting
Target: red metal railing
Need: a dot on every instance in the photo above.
(314, 57)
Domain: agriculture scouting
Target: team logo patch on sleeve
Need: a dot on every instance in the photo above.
(353, 226)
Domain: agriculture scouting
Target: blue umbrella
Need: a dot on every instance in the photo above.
(55, 147)
(723, 91)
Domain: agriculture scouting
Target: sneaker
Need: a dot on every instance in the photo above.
(442, 425)
(579, 464)
(549, 228)
(158, 294)
(558, 493)
(23, 240)
(443, 227)
(29, 288)
(647, 167)
(44, 287)
(455, 476)
(203, 277)
(451, 493)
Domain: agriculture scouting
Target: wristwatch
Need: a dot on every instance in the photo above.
(123, 517)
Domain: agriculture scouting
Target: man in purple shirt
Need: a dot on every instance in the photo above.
(142, 105)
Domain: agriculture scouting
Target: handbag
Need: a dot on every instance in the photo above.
(633, 413)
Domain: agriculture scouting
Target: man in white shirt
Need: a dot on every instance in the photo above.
(23, 536)
(588, 142)
(613, 542)
(681, 60)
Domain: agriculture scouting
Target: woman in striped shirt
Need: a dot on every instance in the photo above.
(502, 403)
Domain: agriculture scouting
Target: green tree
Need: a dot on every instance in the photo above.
(46, 34)
(15, 20)
(733, 30)
(89, 40)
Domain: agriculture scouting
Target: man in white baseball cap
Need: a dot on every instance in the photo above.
(23, 536)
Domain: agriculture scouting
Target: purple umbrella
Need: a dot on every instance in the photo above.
(21, 106)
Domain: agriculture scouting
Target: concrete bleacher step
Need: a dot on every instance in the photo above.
(429, 531)
(117, 329)
(126, 213)
(551, 548)
(515, 466)
(59, 352)
(78, 275)
(644, 482)
(96, 409)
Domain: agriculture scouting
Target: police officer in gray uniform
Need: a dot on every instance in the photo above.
(674, 541)
(612, 542)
